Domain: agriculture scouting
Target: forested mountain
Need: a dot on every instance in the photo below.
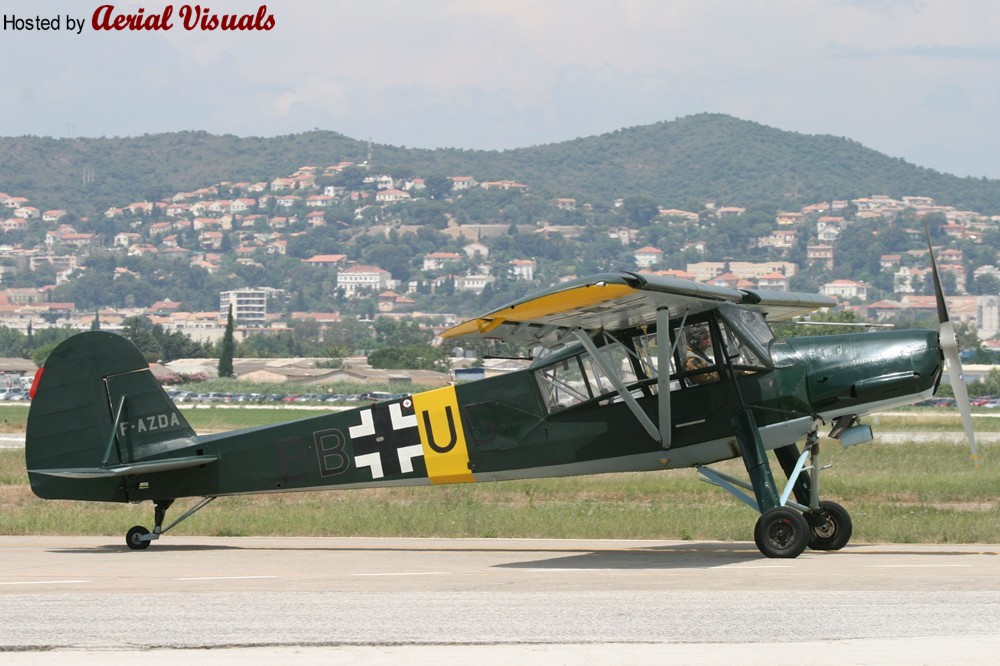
(680, 163)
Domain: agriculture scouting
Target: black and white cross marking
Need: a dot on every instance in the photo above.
(387, 440)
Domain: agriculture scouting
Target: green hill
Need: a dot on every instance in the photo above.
(680, 163)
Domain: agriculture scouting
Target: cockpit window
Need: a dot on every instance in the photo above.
(562, 384)
(753, 323)
(573, 380)
(746, 338)
(742, 357)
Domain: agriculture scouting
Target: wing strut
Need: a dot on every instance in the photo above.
(664, 352)
(616, 381)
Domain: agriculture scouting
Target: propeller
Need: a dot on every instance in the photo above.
(949, 346)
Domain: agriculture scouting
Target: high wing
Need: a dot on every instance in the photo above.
(615, 301)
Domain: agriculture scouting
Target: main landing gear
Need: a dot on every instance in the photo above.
(139, 538)
(786, 527)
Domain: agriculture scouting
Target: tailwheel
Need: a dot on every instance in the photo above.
(134, 540)
(781, 532)
(830, 527)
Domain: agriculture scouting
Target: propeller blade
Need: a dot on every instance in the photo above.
(949, 345)
(952, 361)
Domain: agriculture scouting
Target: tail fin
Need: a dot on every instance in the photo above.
(98, 415)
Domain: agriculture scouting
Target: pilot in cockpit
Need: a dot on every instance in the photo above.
(699, 355)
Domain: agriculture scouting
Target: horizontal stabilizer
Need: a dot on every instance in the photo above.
(128, 469)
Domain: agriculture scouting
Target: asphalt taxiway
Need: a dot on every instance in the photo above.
(339, 600)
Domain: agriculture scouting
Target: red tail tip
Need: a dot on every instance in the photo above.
(34, 382)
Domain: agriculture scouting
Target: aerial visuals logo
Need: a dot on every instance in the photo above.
(108, 18)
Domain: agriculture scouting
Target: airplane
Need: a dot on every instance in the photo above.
(629, 372)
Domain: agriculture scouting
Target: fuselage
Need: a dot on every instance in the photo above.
(560, 416)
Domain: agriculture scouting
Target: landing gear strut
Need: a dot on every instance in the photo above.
(785, 527)
(139, 538)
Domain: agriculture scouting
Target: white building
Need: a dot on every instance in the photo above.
(845, 289)
(249, 305)
(647, 256)
(360, 279)
(473, 283)
(523, 269)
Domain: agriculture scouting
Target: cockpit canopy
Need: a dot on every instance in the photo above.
(733, 340)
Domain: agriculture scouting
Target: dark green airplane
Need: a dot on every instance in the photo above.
(630, 372)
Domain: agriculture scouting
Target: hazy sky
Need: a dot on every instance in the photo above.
(913, 79)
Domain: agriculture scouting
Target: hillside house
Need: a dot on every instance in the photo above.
(648, 256)
(782, 239)
(436, 261)
(820, 255)
(391, 196)
(210, 240)
(126, 238)
(730, 211)
(282, 184)
(390, 301)
(504, 185)
(845, 289)
(473, 283)
(890, 262)
(685, 215)
(476, 250)
(326, 260)
(908, 279)
(459, 183)
(751, 270)
(15, 202)
(773, 282)
(320, 201)
(522, 269)
(361, 279)
(703, 271)
(70, 239)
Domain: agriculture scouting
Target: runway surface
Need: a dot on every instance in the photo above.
(333, 600)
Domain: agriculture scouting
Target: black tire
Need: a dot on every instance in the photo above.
(830, 528)
(781, 532)
(133, 541)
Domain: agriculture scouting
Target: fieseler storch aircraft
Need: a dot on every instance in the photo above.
(629, 373)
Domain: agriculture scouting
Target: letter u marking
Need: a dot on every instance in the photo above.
(451, 431)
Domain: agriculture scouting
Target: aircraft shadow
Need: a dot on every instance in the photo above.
(122, 548)
(687, 556)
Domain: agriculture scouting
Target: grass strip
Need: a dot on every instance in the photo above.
(916, 493)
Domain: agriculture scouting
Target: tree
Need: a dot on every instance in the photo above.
(226, 356)
(640, 210)
(400, 333)
(411, 357)
(140, 332)
(438, 187)
(986, 284)
(12, 342)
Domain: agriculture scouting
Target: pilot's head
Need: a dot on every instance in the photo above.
(698, 338)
